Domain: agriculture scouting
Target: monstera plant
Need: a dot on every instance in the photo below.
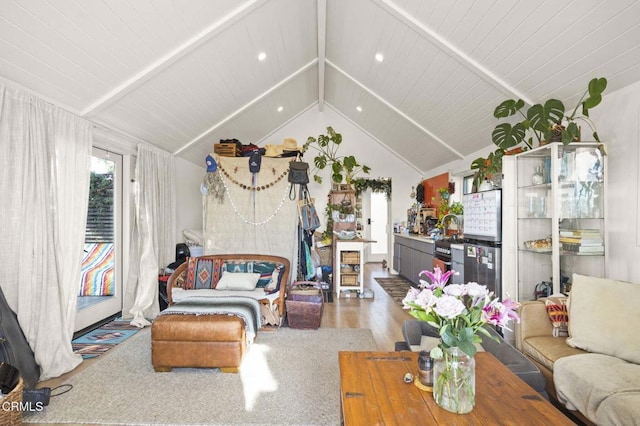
(342, 167)
(547, 121)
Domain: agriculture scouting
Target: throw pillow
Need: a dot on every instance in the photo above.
(274, 282)
(603, 315)
(199, 273)
(557, 310)
(238, 281)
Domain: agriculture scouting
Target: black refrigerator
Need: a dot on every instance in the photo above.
(483, 239)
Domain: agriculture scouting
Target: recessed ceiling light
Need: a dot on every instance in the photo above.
(359, 108)
(262, 56)
(280, 108)
(379, 57)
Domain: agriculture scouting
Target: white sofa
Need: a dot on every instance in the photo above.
(596, 369)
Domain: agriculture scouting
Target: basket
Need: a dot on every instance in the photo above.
(227, 149)
(304, 310)
(10, 413)
(350, 257)
(349, 280)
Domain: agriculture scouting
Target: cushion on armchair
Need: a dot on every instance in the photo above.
(603, 315)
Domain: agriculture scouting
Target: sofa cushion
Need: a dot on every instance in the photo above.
(238, 281)
(201, 273)
(548, 349)
(263, 267)
(601, 311)
(591, 383)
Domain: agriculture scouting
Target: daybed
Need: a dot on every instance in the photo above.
(595, 371)
(217, 303)
(419, 335)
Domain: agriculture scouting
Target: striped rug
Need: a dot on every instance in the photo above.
(396, 286)
(100, 340)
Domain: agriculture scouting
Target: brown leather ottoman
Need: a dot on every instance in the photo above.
(205, 341)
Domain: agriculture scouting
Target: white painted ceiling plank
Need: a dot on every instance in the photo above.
(173, 55)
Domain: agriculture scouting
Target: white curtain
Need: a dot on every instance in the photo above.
(45, 172)
(246, 220)
(153, 234)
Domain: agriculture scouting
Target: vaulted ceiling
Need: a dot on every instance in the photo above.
(184, 74)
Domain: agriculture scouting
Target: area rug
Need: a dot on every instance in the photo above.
(396, 286)
(100, 340)
(288, 377)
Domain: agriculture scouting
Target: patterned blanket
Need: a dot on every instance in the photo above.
(97, 270)
(246, 308)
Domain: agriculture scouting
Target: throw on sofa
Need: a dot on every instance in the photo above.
(595, 371)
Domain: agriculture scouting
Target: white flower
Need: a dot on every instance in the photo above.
(477, 290)
(455, 290)
(410, 297)
(426, 299)
(449, 307)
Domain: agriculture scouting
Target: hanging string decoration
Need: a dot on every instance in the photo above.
(253, 187)
(247, 221)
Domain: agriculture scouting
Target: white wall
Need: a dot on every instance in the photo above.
(188, 196)
(617, 118)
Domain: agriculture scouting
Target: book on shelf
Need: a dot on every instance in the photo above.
(579, 248)
(597, 241)
(577, 233)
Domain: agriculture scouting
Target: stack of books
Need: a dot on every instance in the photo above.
(582, 241)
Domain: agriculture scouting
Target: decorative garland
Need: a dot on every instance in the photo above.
(376, 185)
(235, 209)
(254, 188)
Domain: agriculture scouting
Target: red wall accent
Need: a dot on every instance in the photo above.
(431, 185)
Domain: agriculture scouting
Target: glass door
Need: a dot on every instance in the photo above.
(100, 286)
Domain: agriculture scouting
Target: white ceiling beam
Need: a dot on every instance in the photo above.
(449, 48)
(397, 111)
(173, 56)
(247, 106)
(322, 42)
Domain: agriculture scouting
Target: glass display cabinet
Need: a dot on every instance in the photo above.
(560, 203)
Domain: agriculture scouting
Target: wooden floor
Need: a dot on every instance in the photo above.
(381, 314)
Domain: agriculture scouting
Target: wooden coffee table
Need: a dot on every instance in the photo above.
(373, 393)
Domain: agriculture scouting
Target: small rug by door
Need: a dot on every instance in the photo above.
(396, 286)
(100, 340)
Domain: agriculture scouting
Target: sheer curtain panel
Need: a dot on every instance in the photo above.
(153, 245)
(44, 170)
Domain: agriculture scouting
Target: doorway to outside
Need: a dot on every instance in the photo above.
(100, 286)
(375, 210)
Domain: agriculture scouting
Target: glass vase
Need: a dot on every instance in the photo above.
(454, 378)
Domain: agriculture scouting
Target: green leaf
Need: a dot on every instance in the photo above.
(597, 86)
(317, 179)
(349, 162)
(589, 103)
(596, 137)
(320, 161)
(468, 348)
(505, 136)
(542, 118)
(508, 108)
